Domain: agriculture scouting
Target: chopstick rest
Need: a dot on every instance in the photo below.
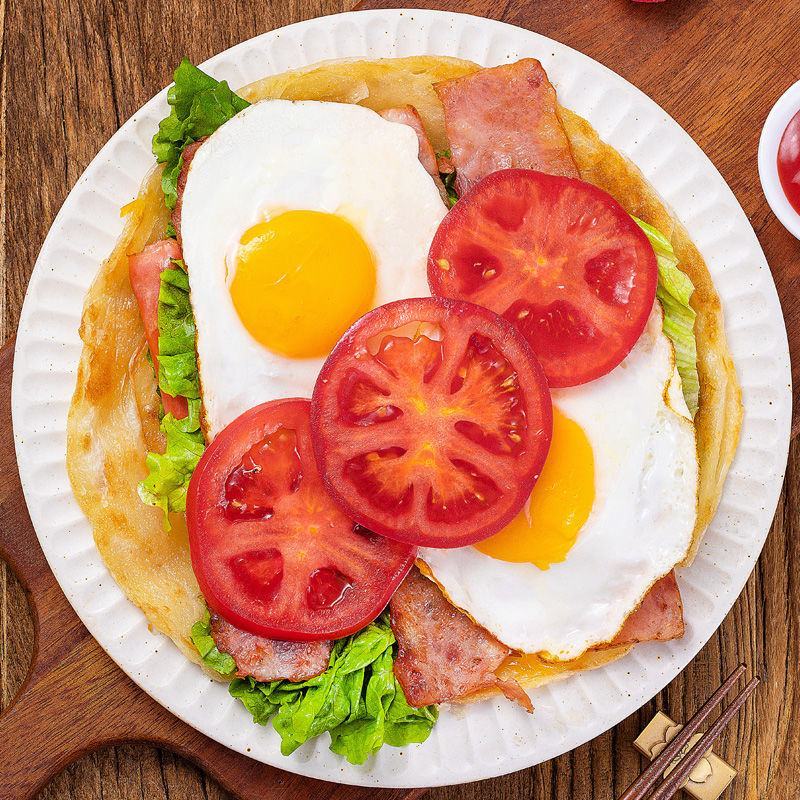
(677, 745)
(708, 780)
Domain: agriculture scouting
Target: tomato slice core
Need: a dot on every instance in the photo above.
(557, 257)
(272, 553)
(431, 420)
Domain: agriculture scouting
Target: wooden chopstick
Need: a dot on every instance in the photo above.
(678, 776)
(652, 772)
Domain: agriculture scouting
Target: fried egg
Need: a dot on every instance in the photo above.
(613, 511)
(297, 218)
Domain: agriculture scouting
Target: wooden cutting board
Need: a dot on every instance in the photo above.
(76, 699)
(715, 65)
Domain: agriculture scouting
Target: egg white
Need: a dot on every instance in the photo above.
(640, 525)
(279, 155)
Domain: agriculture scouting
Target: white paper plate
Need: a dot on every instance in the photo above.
(488, 738)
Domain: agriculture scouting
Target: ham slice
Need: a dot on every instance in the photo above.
(188, 154)
(144, 270)
(658, 619)
(504, 117)
(442, 654)
(408, 115)
(270, 659)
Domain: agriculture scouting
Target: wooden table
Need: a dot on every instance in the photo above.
(73, 71)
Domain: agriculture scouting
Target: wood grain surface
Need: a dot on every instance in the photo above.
(75, 700)
(74, 70)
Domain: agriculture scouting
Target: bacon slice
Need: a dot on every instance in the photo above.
(445, 163)
(144, 270)
(504, 117)
(442, 654)
(658, 619)
(270, 659)
(188, 154)
(408, 115)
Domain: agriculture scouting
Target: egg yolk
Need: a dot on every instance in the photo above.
(548, 525)
(301, 279)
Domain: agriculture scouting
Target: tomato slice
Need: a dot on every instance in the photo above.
(431, 420)
(272, 553)
(559, 258)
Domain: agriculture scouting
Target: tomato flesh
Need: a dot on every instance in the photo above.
(557, 257)
(431, 420)
(272, 553)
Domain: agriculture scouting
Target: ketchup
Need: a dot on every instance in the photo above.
(789, 162)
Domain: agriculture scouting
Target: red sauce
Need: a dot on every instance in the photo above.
(789, 162)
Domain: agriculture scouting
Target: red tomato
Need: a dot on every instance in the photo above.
(144, 270)
(272, 553)
(559, 258)
(431, 420)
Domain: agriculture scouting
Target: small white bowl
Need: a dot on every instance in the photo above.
(777, 120)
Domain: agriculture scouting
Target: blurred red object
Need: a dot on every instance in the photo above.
(648, 1)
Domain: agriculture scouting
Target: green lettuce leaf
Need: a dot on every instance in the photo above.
(357, 700)
(168, 473)
(177, 360)
(448, 179)
(212, 657)
(255, 698)
(406, 724)
(200, 104)
(674, 292)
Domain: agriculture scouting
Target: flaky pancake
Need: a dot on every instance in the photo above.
(113, 420)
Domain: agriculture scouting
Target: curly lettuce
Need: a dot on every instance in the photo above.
(674, 292)
(200, 635)
(177, 361)
(357, 700)
(200, 104)
(168, 473)
(448, 179)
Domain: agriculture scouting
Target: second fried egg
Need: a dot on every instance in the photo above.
(614, 510)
